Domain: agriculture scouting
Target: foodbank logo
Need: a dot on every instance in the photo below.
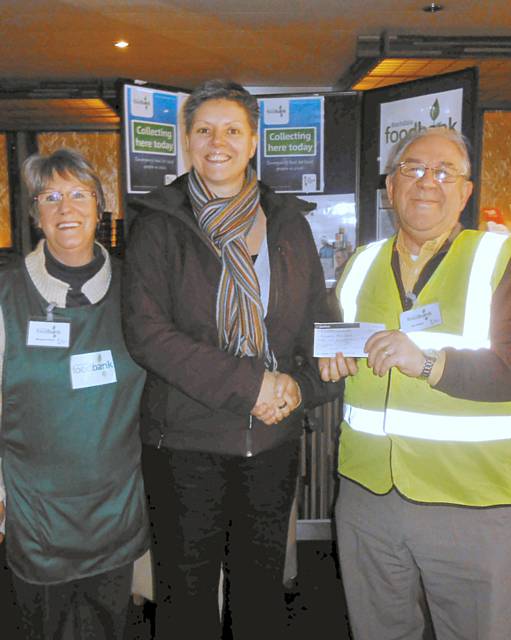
(434, 111)
(279, 112)
(396, 131)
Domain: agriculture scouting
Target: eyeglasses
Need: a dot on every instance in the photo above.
(54, 198)
(417, 170)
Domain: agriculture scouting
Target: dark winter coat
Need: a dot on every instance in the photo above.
(199, 397)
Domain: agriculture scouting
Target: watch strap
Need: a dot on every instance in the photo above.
(429, 363)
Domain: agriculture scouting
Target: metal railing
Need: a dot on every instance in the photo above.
(317, 482)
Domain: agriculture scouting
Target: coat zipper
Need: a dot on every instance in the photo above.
(248, 444)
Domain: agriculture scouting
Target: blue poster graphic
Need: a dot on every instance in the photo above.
(151, 137)
(290, 151)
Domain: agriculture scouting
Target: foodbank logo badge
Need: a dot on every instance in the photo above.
(434, 111)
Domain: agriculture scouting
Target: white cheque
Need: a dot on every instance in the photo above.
(347, 338)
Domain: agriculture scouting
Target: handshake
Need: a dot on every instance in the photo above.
(278, 397)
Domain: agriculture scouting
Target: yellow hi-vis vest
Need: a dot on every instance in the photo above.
(403, 433)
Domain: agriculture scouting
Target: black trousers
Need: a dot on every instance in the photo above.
(9, 617)
(97, 606)
(207, 509)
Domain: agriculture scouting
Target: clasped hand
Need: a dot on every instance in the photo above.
(278, 397)
(385, 349)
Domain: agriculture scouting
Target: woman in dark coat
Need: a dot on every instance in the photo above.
(222, 287)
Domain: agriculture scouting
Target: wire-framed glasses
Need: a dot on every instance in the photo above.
(417, 170)
(76, 196)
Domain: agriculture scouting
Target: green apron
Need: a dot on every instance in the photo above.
(71, 456)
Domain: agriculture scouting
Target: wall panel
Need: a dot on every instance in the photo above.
(496, 164)
(5, 203)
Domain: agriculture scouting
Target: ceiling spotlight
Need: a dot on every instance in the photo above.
(433, 7)
(121, 44)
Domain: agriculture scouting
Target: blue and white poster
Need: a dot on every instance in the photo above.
(291, 149)
(151, 137)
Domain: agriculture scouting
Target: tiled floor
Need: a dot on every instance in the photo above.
(318, 602)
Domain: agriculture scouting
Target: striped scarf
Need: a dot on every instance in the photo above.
(226, 222)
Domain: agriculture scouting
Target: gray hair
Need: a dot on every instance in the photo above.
(221, 90)
(38, 171)
(449, 134)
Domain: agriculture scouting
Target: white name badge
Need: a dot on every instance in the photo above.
(92, 369)
(421, 318)
(42, 333)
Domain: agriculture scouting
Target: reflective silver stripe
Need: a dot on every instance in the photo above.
(364, 420)
(355, 279)
(438, 340)
(479, 293)
(429, 426)
(454, 428)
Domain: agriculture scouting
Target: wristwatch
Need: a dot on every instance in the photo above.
(431, 356)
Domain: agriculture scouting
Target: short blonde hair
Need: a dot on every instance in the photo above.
(38, 170)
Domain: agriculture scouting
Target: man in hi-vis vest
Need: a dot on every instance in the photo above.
(424, 513)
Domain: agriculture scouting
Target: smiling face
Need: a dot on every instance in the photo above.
(425, 208)
(69, 225)
(220, 143)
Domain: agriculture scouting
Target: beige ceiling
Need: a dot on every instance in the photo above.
(262, 43)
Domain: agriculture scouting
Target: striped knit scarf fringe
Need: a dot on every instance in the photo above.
(226, 222)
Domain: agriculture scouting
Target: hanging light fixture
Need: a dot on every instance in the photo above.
(433, 7)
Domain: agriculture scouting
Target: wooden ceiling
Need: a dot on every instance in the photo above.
(494, 74)
(57, 113)
(295, 44)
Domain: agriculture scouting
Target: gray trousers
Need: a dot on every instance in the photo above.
(396, 554)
